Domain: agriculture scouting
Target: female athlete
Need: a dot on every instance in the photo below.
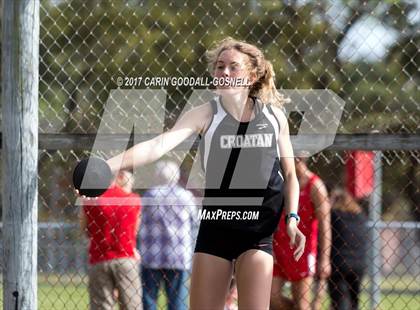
(246, 154)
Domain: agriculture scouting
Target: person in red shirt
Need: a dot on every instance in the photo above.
(111, 223)
(314, 211)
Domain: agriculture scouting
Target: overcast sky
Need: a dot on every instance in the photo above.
(368, 39)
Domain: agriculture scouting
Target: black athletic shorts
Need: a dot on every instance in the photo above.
(229, 243)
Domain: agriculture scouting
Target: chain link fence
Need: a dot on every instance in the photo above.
(364, 51)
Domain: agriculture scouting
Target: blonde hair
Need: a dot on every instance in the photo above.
(343, 201)
(264, 86)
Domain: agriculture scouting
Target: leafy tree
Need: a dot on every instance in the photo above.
(85, 45)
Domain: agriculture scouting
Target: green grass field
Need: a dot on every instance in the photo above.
(390, 301)
(70, 292)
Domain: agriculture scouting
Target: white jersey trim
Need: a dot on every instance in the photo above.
(208, 137)
(275, 125)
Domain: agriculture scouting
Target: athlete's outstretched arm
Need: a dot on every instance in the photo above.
(151, 150)
(291, 184)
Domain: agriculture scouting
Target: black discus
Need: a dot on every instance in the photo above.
(92, 176)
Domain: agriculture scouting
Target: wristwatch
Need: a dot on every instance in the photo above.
(291, 214)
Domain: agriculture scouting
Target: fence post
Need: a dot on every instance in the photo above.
(375, 211)
(20, 51)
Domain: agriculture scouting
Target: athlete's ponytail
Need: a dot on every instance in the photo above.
(264, 87)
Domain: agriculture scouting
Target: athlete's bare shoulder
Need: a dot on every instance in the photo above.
(199, 117)
(207, 112)
(205, 109)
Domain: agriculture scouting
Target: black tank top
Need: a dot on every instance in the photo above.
(242, 169)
